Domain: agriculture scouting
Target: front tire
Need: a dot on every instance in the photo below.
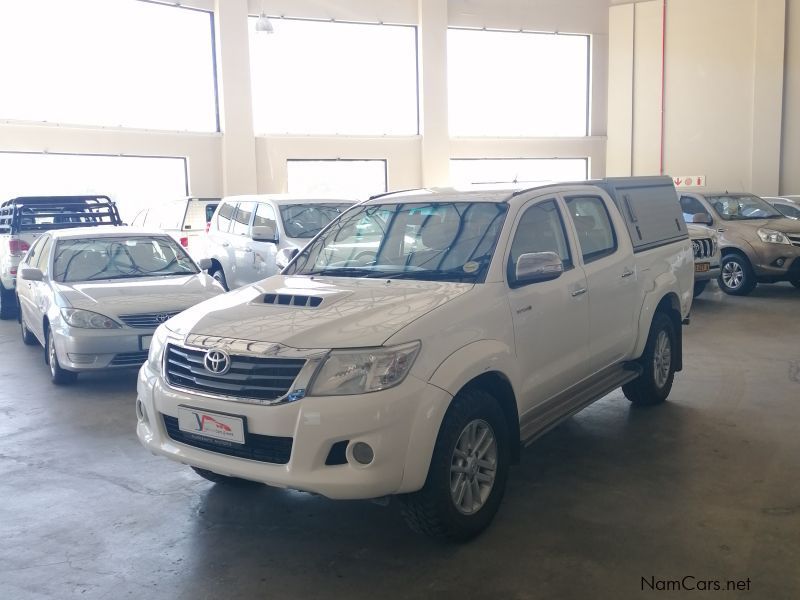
(658, 362)
(796, 283)
(58, 375)
(8, 303)
(736, 276)
(27, 336)
(219, 277)
(699, 287)
(468, 471)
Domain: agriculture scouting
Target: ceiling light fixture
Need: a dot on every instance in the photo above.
(264, 24)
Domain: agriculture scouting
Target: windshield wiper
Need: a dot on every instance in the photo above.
(436, 275)
(351, 272)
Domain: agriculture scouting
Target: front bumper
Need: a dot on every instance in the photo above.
(766, 267)
(93, 349)
(400, 424)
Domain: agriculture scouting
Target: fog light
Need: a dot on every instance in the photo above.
(780, 262)
(141, 412)
(82, 359)
(363, 453)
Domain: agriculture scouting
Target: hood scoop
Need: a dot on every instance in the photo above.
(292, 300)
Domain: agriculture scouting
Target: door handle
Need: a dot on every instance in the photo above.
(224, 244)
(579, 292)
(248, 249)
(627, 273)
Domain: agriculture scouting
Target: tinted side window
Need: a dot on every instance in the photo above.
(224, 216)
(596, 235)
(541, 229)
(241, 220)
(690, 207)
(33, 253)
(789, 211)
(265, 216)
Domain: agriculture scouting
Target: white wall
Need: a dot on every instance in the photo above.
(790, 149)
(724, 110)
(221, 163)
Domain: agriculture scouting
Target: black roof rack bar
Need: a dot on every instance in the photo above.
(376, 196)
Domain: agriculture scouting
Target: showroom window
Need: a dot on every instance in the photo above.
(125, 63)
(133, 182)
(357, 179)
(517, 84)
(322, 77)
(517, 171)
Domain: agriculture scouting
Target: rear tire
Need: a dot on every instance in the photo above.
(219, 277)
(8, 303)
(222, 479)
(468, 471)
(658, 360)
(699, 287)
(58, 375)
(736, 276)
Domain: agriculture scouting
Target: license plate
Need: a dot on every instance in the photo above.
(144, 341)
(211, 424)
(701, 267)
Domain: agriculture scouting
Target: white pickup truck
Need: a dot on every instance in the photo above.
(419, 369)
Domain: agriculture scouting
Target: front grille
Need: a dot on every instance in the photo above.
(129, 359)
(148, 320)
(256, 377)
(794, 238)
(263, 448)
(703, 247)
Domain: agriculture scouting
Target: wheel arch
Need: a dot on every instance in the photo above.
(670, 304)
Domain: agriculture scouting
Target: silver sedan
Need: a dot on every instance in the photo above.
(93, 297)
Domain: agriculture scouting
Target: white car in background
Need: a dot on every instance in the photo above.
(185, 219)
(789, 206)
(93, 298)
(253, 237)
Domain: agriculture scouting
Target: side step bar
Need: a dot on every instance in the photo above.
(542, 419)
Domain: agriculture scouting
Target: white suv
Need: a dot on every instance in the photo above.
(420, 367)
(253, 237)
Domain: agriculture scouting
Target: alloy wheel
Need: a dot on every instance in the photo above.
(473, 467)
(662, 359)
(732, 274)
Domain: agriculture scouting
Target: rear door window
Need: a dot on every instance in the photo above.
(596, 235)
(224, 216)
(241, 219)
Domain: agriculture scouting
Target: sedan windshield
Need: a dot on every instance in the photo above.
(742, 208)
(90, 259)
(307, 220)
(449, 241)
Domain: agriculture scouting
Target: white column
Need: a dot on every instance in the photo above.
(435, 165)
(768, 97)
(619, 159)
(235, 100)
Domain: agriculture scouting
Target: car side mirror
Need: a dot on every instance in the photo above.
(204, 264)
(31, 274)
(265, 233)
(538, 266)
(702, 219)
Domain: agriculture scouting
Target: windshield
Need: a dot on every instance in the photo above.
(452, 241)
(89, 259)
(742, 208)
(307, 220)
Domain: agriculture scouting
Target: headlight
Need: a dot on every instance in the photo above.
(346, 372)
(86, 319)
(773, 237)
(157, 345)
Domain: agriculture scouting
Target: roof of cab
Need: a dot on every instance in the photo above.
(288, 199)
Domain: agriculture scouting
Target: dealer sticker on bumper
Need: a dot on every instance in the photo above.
(211, 424)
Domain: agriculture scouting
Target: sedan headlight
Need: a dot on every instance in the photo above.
(346, 372)
(773, 237)
(157, 345)
(86, 319)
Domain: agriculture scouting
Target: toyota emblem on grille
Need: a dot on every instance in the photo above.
(217, 362)
(162, 318)
(696, 247)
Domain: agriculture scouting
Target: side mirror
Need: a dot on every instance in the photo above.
(204, 264)
(702, 219)
(265, 233)
(31, 274)
(538, 266)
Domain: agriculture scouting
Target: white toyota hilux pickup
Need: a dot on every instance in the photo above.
(419, 366)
